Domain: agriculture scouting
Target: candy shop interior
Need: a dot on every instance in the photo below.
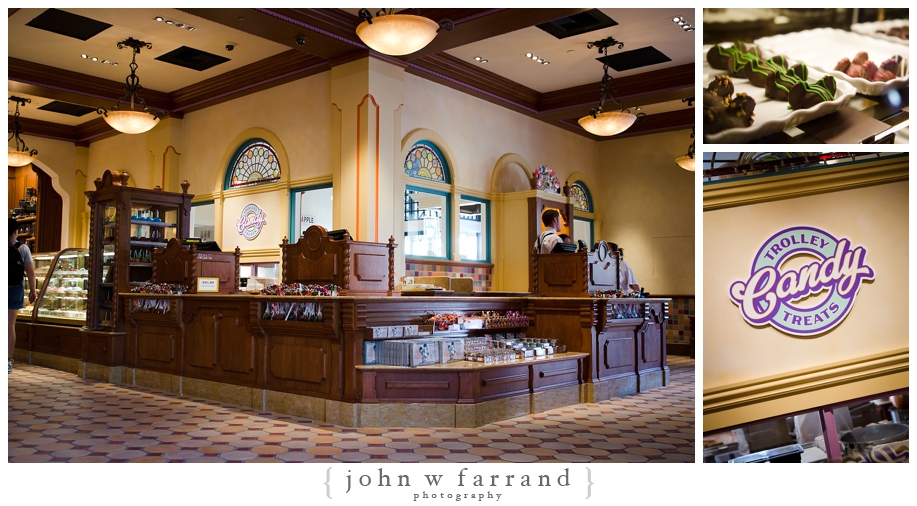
(366, 216)
(789, 374)
(813, 76)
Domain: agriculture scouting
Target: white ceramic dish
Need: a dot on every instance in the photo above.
(771, 116)
(822, 48)
(870, 29)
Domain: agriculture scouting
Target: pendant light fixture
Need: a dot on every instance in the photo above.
(687, 162)
(398, 34)
(21, 155)
(132, 121)
(602, 123)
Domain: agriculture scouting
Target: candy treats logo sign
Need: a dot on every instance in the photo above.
(792, 300)
(251, 221)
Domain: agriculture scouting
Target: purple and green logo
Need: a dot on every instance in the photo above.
(251, 221)
(790, 300)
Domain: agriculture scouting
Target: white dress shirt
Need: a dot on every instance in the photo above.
(548, 239)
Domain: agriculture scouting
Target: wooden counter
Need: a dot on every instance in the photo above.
(220, 346)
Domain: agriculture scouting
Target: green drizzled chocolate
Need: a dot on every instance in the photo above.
(756, 71)
(718, 56)
(779, 83)
(804, 95)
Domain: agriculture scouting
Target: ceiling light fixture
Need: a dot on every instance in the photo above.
(687, 162)
(159, 18)
(537, 59)
(398, 34)
(132, 121)
(683, 23)
(21, 155)
(608, 123)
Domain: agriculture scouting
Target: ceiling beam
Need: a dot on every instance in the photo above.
(58, 84)
(484, 25)
(285, 26)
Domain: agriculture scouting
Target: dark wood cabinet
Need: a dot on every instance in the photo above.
(125, 224)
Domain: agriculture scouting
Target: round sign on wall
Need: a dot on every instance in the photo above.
(778, 296)
(251, 221)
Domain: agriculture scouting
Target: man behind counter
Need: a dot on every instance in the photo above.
(549, 238)
(626, 278)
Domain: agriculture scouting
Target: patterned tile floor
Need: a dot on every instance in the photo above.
(58, 417)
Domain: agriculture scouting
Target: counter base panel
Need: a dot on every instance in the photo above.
(59, 362)
(114, 374)
(654, 378)
(605, 389)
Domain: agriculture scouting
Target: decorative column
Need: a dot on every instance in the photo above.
(368, 93)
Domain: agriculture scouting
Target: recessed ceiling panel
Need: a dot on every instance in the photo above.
(191, 58)
(67, 108)
(576, 24)
(65, 23)
(628, 60)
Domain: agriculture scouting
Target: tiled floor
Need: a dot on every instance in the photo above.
(58, 417)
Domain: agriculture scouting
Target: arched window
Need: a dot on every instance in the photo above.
(254, 163)
(428, 204)
(425, 161)
(582, 200)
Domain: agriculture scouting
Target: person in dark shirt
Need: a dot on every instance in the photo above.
(20, 266)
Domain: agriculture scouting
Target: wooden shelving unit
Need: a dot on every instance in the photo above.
(126, 224)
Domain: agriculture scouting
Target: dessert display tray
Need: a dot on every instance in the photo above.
(870, 29)
(771, 116)
(822, 48)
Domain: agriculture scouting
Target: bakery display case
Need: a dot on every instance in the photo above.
(62, 293)
(42, 263)
(814, 76)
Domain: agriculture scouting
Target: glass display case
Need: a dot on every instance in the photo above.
(62, 281)
(127, 223)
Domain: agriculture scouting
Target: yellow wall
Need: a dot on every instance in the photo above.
(752, 373)
(874, 217)
(647, 204)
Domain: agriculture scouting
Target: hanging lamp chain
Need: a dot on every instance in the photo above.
(690, 102)
(17, 128)
(606, 89)
(132, 82)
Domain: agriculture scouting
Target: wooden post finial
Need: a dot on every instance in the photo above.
(184, 186)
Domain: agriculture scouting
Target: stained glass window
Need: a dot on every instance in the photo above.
(581, 198)
(256, 164)
(424, 161)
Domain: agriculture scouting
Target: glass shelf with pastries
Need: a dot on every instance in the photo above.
(64, 296)
(42, 263)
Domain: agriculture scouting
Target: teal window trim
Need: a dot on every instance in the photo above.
(588, 195)
(447, 173)
(591, 228)
(227, 178)
(486, 236)
(448, 232)
(203, 203)
(293, 192)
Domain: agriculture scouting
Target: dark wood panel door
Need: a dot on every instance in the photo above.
(221, 345)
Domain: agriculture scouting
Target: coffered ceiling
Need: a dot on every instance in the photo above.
(46, 60)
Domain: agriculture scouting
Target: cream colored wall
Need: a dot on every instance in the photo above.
(124, 153)
(58, 159)
(298, 113)
(647, 204)
(875, 217)
(479, 133)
